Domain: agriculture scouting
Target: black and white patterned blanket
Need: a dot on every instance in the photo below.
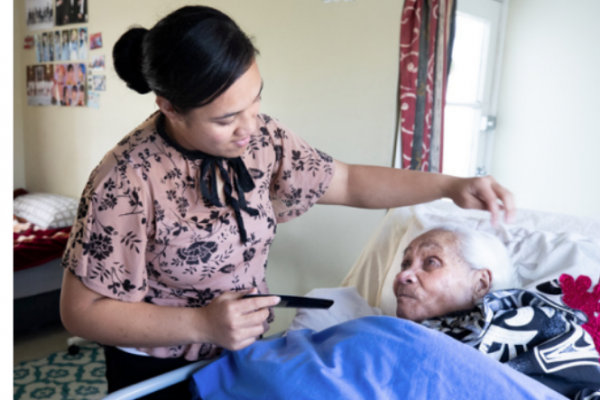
(535, 333)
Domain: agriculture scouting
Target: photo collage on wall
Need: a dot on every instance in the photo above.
(65, 45)
(56, 85)
(68, 81)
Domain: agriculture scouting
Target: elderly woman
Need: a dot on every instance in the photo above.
(461, 282)
(446, 269)
(450, 268)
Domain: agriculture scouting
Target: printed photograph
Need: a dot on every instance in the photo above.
(57, 46)
(40, 14)
(48, 46)
(43, 75)
(59, 84)
(80, 74)
(31, 96)
(39, 51)
(93, 100)
(99, 83)
(69, 85)
(98, 63)
(66, 52)
(74, 44)
(47, 85)
(45, 48)
(95, 41)
(83, 44)
(71, 12)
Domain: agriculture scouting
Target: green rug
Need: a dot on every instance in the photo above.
(62, 376)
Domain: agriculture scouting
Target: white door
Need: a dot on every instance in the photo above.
(471, 96)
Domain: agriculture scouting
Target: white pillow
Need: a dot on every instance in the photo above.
(47, 211)
(539, 255)
(348, 305)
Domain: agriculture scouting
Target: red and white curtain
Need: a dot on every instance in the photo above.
(426, 36)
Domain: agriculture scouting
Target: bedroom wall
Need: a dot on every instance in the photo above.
(330, 73)
(18, 89)
(548, 136)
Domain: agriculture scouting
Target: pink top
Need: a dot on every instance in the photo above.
(144, 233)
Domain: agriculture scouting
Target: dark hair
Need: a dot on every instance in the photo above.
(190, 57)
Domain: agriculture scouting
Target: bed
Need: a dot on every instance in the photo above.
(41, 227)
(543, 246)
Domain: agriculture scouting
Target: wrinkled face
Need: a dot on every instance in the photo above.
(223, 127)
(434, 280)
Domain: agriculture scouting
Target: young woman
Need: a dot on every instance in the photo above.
(175, 224)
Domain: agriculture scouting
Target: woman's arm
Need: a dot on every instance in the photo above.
(228, 321)
(379, 187)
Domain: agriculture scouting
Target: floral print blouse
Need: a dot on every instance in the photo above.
(143, 231)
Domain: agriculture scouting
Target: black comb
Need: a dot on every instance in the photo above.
(295, 301)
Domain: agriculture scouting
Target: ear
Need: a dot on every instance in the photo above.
(167, 108)
(482, 283)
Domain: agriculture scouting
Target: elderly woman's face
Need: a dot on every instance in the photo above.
(434, 280)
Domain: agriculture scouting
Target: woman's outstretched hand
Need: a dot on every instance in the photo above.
(234, 323)
(483, 193)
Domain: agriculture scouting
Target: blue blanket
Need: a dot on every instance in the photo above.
(367, 358)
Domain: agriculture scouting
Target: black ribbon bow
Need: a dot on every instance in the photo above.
(241, 180)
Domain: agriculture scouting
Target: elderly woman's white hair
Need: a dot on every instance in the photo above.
(483, 250)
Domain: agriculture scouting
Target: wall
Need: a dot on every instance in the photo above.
(330, 73)
(548, 135)
(19, 100)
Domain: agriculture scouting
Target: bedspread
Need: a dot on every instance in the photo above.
(534, 332)
(34, 246)
(375, 357)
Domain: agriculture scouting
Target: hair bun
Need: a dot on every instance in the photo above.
(128, 59)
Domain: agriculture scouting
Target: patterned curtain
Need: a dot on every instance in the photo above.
(426, 37)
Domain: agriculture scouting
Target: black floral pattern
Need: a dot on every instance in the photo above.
(99, 246)
(200, 251)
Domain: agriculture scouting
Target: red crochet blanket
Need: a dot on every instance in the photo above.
(34, 246)
(577, 294)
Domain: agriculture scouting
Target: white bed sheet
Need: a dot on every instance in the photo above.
(348, 305)
(542, 246)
